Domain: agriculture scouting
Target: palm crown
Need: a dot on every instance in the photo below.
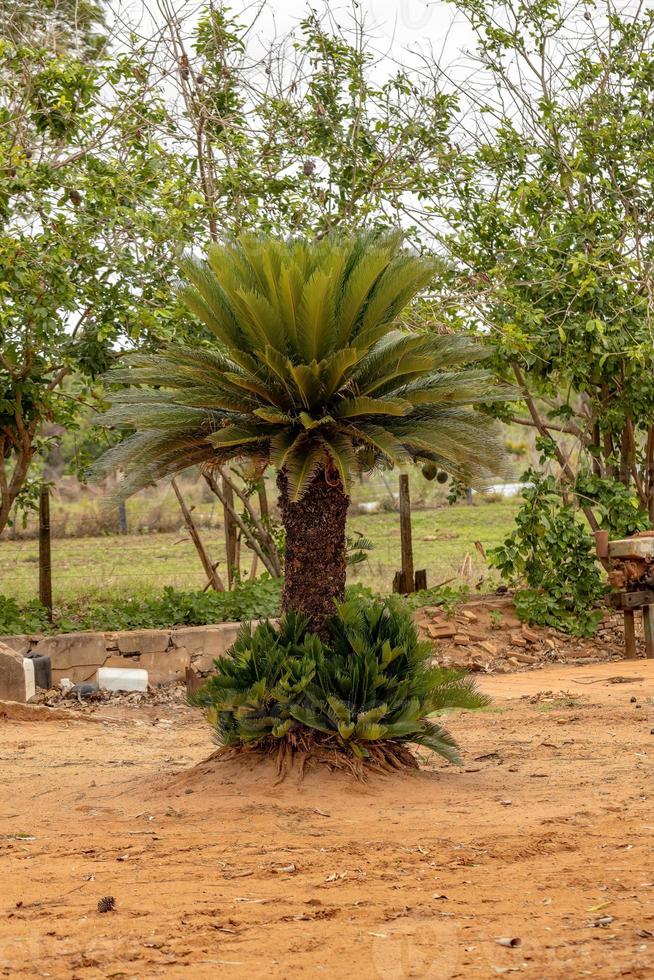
(309, 370)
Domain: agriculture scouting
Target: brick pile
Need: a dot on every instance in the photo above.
(485, 634)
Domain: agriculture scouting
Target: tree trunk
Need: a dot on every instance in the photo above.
(649, 471)
(314, 557)
(11, 486)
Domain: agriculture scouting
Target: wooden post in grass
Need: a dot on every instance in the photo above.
(45, 555)
(407, 580)
(648, 630)
(230, 531)
(210, 570)
(630, 634)
(406, 541)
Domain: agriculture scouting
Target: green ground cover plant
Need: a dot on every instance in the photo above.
(248, 600)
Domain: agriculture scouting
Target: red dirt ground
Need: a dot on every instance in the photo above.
(546, 836)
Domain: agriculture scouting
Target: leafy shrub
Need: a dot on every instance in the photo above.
(616, 506)
(249, 600)
(29, 618)
(370, 683)
(439, 595)
(554, 556)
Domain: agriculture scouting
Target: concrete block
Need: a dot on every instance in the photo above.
(142, 641)
(74, 655)
(165, 667)
(16, 676)
(162, 668)
(19, 643)
(205, 644)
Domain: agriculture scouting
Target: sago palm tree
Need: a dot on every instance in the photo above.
(310, 370)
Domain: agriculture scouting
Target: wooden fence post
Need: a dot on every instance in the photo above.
(45, 555)
(406, 541)
(230, 531)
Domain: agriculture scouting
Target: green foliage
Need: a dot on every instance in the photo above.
(88, 226)
(309, 369)
(357, 548)
(30, 617)
(258, 599)
(553, 555)
(75, 24)
(327, 142)
(370, 681)
(617, 507)
(447, 596)
(550, 219)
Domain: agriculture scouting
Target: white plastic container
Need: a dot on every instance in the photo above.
(122, 679)
(30, 684)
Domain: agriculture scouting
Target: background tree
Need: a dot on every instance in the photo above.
(550, 220)
(88, 225)
(308, 132)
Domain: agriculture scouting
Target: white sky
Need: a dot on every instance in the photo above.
(395, 25)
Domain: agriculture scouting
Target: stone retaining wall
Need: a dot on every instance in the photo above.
(165, 654)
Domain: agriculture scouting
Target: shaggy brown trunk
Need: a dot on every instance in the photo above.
(314, 559)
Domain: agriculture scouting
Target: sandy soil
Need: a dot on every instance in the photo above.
(546, 836)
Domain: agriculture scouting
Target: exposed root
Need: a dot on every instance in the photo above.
(302, 750)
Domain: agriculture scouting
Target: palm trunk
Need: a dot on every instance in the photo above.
(314, 558)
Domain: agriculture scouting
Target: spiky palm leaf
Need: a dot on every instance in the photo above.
(310, 368)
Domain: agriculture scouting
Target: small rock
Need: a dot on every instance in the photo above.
(601, 923)
(441, 632)
(517, 640)
(85, 690)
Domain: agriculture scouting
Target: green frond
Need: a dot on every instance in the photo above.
(341, 453)
(282, 444)
(405, 276)
(335, 369)
(301, 465)
(308, 422)
(315, 316)
(262, 319)
(364, 405)
(304, 354)
(360, 284)
(307, 382)
(384, 443)
(273, 415)
(234, 435)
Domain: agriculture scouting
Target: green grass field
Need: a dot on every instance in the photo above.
(140, 565)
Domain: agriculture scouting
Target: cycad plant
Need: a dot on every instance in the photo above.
(310, 369)
(367, 689)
